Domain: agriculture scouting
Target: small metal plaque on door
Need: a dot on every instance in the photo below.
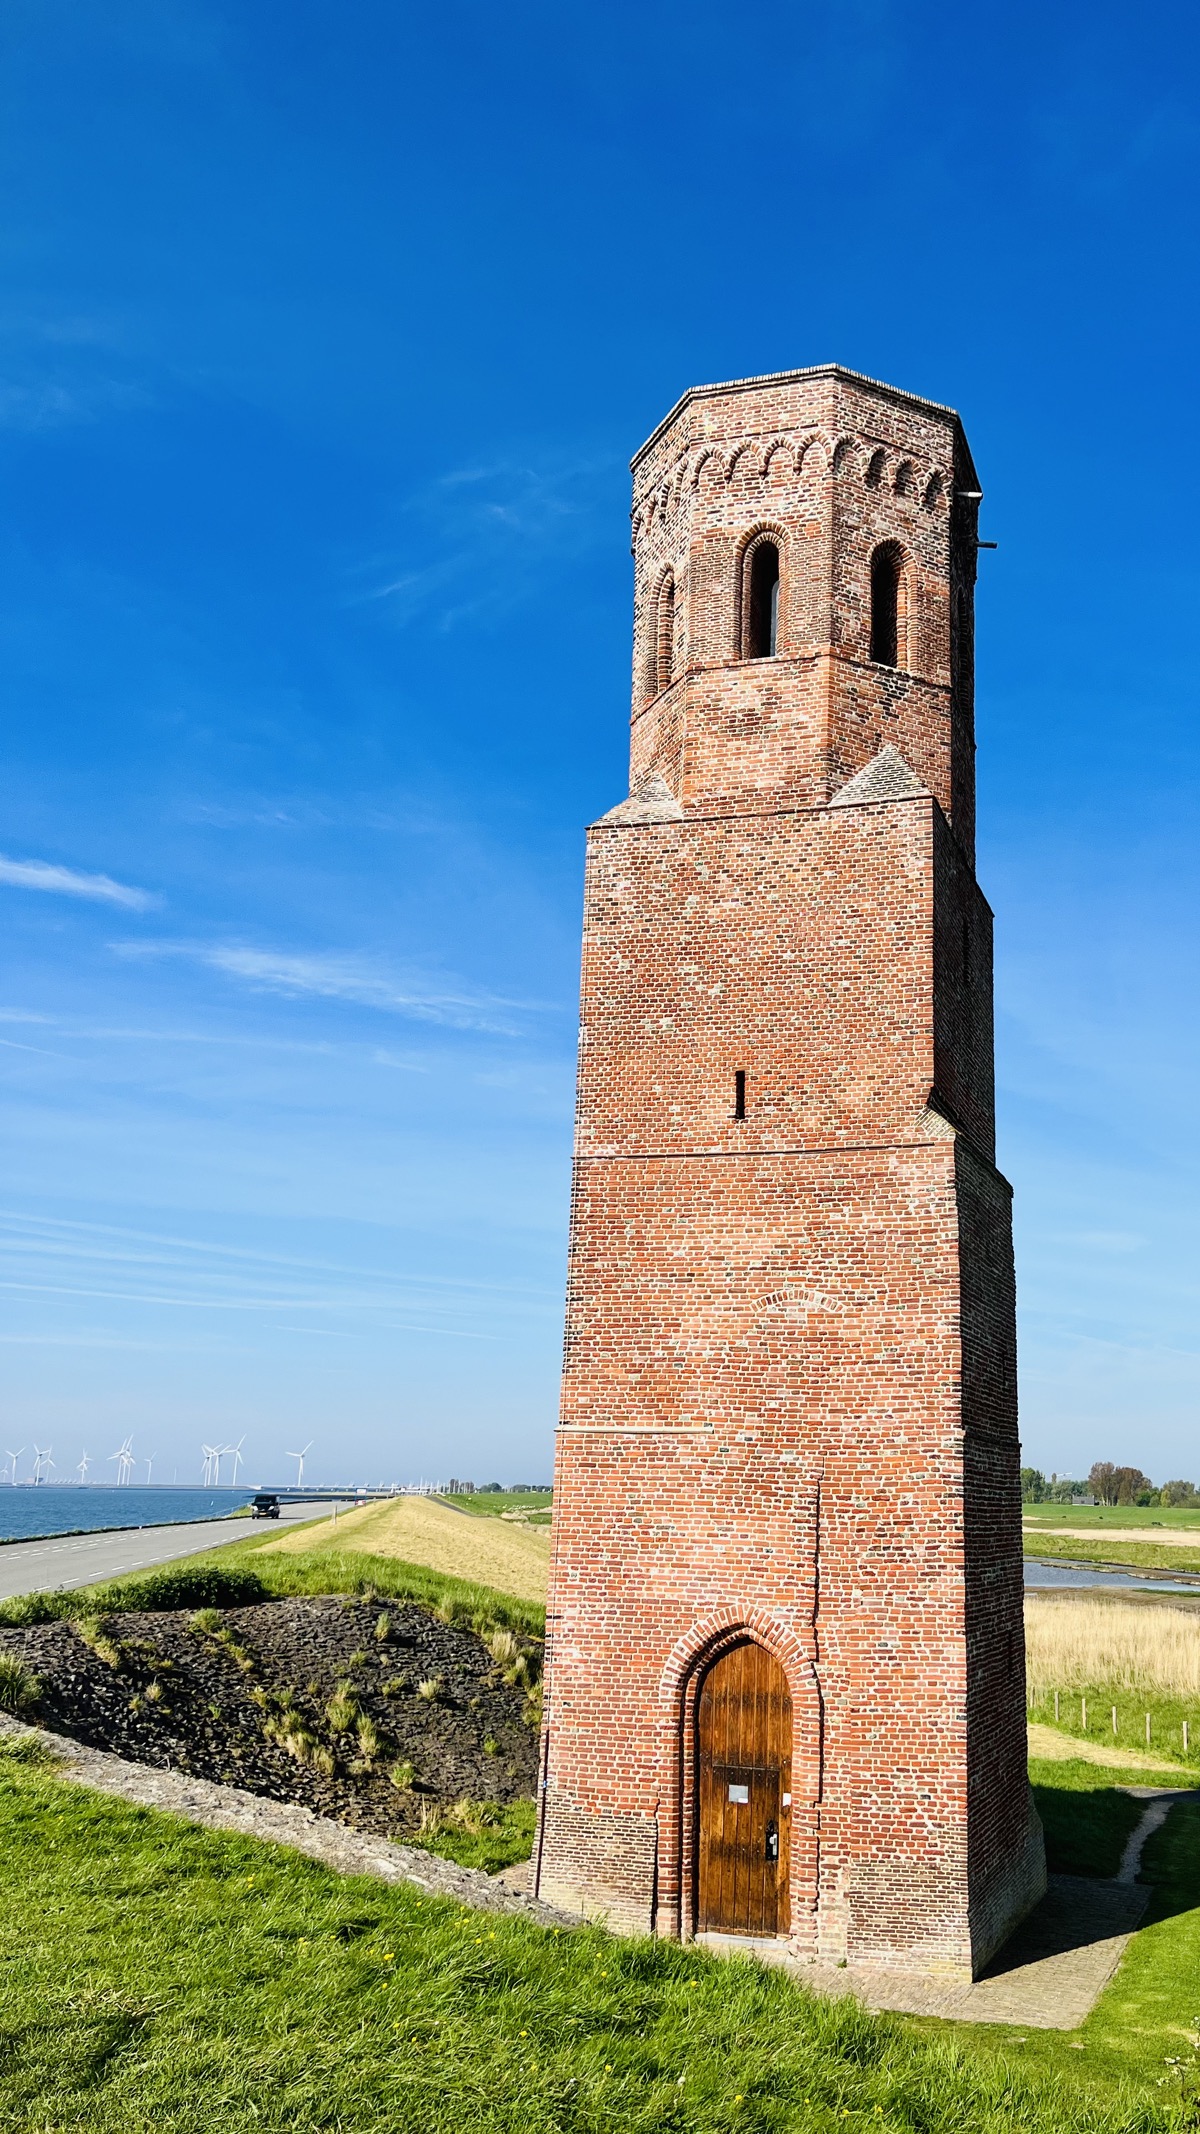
(740, 1794)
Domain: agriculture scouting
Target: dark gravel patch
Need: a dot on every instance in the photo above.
(181, 1699)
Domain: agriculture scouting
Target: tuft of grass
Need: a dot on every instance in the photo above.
(93, 1631)
(486, 1834)
(369, 1743)
(403, 1775)
(430, 1689)
(299, 1742)
(383, 1627)
(341, 1712)
(20, 1688)
(209, 1621)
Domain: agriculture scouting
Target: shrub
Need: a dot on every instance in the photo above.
(19, 1689)
(185, 1586)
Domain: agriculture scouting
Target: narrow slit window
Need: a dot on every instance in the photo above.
(887, 606)
(762, 602)
(739, 1094)
(665, 637)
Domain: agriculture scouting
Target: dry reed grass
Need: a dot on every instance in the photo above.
(1082, 1643)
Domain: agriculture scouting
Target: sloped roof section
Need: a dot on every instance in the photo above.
(886, 777)
(653, 802)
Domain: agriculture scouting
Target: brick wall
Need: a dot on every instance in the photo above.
(789, 1383)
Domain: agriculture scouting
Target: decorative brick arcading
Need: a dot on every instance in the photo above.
(789, 1395)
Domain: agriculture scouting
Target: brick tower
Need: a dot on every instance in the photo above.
(786, 1667)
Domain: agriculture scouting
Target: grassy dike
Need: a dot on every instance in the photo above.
(163, 1977)
(250, 1570)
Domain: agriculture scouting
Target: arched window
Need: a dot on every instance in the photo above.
(760, 600)
(889, 606)
(664, 636)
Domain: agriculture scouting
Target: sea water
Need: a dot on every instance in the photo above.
(1058, 1572)
(28, 1510)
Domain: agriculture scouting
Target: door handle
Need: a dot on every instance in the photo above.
(772, 1846)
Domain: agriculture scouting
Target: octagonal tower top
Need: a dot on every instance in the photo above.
(804, 549)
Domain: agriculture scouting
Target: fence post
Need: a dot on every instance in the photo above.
(1056, 1707)
(1083, 1712)
(1147, 1730)
(1185, 1740)
(1114, 1713)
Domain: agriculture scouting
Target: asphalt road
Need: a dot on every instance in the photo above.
(77, 1559)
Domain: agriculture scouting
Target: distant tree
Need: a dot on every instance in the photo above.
(491, 1489)
(1132, 1485)
(1033, 1486)
(1101, 1482)
(1064, 1491)
(1179, 1493)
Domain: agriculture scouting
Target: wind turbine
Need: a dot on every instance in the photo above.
(14, 1457)
(84, 1464)
(236, 1450)
(149, 1465)
(210, 1454)
(299, 1456)
(41, 1460)
(124, 1459)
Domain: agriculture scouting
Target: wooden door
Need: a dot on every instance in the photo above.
(744, 1723)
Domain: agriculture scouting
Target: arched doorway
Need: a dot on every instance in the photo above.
(743, 1772)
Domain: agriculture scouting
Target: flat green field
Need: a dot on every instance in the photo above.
(167, 1980)
(489, 1504)
(1126, 1515)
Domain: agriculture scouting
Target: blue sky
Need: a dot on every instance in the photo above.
(327, 335)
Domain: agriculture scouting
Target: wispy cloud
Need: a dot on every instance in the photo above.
(342, 977)
(69, 882)
(477, 539)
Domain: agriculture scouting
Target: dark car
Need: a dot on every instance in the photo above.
(265, 1507)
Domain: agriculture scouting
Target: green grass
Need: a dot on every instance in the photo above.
(489, 1504)
(1148, 1515)
(246, 1571)
(1146, 2017)
(1085, 1816)
(169, 1980)
(486, 1834)
(1167, 1715)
